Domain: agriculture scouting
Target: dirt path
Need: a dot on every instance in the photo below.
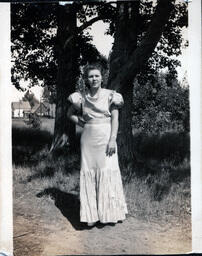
(45, 226)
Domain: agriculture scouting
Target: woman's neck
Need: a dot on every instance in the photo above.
(94, 91)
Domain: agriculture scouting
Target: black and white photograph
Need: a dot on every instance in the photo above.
(100, 108)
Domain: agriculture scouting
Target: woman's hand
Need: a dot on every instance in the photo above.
(111, 147)
(73, 116)
(81, 122)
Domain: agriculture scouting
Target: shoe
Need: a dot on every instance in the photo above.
(91, 224)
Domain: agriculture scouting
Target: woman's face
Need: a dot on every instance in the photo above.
(94, 79)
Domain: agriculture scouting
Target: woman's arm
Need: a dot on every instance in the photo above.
(111, 147)
(71, 114)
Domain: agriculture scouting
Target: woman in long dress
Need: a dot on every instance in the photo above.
(101, 190)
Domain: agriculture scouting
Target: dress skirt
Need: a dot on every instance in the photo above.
(101, 190)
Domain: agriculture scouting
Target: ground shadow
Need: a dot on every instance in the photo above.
(47, 172)
(68, 204)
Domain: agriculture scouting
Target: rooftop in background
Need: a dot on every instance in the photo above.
(21, 105)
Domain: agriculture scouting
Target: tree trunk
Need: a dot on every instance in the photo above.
(139, 55)
(128, 59)
(64, 131)
(125, 138)
(125, 42)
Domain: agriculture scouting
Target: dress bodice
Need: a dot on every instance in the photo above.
(98, 107)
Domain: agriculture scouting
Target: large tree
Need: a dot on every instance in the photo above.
(145, 39)
(71, 44)
(132, 49)
(53, 58)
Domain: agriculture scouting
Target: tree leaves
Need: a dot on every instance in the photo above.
(161, 104)
(35, 46)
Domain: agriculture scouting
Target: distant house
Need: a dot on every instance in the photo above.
(20, 109)
(44, 109)
(40, 109)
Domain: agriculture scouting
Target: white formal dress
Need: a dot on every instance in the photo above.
(101, 190)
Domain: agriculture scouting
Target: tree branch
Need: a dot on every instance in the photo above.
(89, 23)
(144, 51)
(84, 26)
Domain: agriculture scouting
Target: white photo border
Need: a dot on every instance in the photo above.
(194, 77)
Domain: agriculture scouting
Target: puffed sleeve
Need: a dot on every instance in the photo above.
(116, 99)
(75, 98)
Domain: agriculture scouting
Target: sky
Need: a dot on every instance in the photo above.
(103, 43)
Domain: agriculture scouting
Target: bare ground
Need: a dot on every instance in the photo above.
(47, 224)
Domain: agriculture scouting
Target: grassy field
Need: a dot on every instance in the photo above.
(47, 124)
(159, 187)
(46, 196)
(152, 197)
(157, 191)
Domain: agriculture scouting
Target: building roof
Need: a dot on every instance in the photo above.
(41, 105)
(21, 105)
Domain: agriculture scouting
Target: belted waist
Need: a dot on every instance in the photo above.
(99, 120)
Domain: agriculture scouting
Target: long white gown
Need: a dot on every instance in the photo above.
(101, 190)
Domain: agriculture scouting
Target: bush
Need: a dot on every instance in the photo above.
(160, 105)
(34, 121)
(27, 144)
(170, 145)
(30, 137)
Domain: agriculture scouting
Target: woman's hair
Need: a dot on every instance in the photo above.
(90, 67)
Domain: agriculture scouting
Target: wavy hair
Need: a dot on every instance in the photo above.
(90, 67)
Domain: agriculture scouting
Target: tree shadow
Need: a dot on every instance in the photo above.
(68, 204)
(47, 172)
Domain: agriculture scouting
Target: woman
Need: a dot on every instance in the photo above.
(101, 190)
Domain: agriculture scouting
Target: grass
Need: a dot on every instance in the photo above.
(47, 124)
(158, 191)
(171, 145)
(28, 143)
(152, 197)
(159, 196)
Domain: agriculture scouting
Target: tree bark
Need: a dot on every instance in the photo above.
(68, 70)
(140, 55)
(128, 59)
(125, 42)
(64, 131)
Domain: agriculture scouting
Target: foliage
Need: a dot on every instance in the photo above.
(48, 95)
(26, 142)
(173, 146)
(34, 121)
(33, 28)
(160, 105)
(35, 46)
(29, 96)
(170, 43)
